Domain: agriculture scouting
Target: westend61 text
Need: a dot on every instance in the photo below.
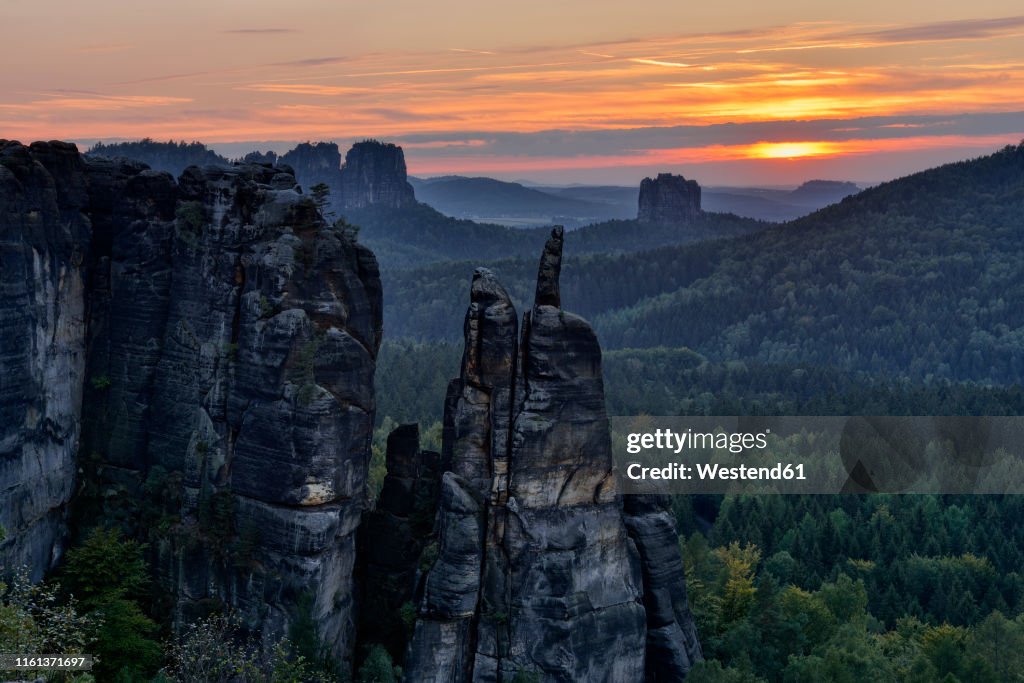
(706, 471)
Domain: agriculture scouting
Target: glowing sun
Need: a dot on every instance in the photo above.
(790, 150)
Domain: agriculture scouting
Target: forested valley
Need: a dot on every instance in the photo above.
(902, 300)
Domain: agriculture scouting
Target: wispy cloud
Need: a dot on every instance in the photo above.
(964, 29)
(659, 62)
(303, 89)
(259, 31)
(100, 103)
(105, 48)
(313, 61)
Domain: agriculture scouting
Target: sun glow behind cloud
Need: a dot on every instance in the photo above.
(792, 150)
(449, 104)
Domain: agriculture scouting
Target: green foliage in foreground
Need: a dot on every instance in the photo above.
(34, 620)
(217, 649)
(940, 559)
(378, 667)
(110, 578)
(849, 588)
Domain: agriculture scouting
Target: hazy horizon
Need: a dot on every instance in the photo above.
(629, 178)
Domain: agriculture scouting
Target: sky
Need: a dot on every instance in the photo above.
(559, 91)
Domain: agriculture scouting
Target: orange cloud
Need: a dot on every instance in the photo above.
(799, 72)
(779, 151)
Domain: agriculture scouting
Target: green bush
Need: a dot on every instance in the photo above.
(108, 575)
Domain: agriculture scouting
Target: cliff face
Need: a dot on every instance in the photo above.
(668, 199)
(537, 569)
(226, 338)
(262, 399)
(44, 235)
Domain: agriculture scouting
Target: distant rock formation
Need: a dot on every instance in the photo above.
(668, 199)
(373, 174)
(539, 572)
(222, 340)
(314, 163)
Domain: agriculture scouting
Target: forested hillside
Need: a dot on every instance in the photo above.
(915, 278)
(413, 237)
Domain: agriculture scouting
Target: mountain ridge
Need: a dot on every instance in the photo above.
(846, 280)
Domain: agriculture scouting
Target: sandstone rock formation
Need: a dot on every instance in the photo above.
(668, 199)
(672, 645)
(538, 571)
(373, 174)
(193, 361)
(225, 337)
(392, 537)
(44, 235)
(315, 163)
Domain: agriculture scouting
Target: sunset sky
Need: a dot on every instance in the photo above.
(730, 93)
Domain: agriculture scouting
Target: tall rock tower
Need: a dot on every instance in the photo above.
(374, 175)
(537, 572)
(668, 199)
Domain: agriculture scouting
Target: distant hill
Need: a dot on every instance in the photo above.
(819, 193)
(921, 277)
(487, 199)
(412, 237)
(519, 205)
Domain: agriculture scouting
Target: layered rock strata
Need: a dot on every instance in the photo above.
(224, 338)
(672, 645)
(538, 572)
(44, 237)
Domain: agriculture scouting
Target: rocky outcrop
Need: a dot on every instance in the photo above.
(373, 174)
(315, 163)
(44, 235)
(538, 572)
(262, 399)
(668, 199)
(225, 339)
(195, 359)
(672, 645)
(393, 536)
